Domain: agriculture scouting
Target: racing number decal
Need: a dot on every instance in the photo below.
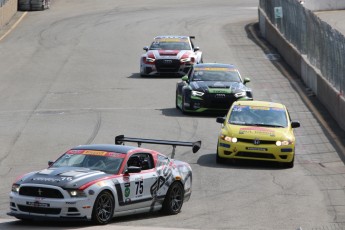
(140, 187)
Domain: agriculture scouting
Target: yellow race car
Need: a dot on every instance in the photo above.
(257, 130)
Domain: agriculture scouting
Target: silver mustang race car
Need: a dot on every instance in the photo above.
(169, 55)
(99, 182)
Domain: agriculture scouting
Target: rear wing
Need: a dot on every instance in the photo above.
(121, 139)
(192, 37)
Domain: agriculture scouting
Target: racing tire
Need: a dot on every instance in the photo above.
(103, 208)
(183, 109)
(176, 105)
(173, 199)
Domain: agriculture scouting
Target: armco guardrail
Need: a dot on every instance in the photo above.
(310, 46)
(7, 9)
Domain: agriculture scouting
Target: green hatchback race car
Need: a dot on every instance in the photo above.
(211, 87)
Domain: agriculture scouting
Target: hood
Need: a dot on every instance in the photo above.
(261, 133)
(218, 86)
(171, 54)
(65, 177)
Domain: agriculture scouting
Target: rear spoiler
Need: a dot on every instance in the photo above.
(192, 37)
(121, 139)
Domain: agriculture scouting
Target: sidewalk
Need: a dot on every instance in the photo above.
(336, 19)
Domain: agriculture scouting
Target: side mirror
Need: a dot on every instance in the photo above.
(146, 48)
(133, 169)
(185, 78)
(50, 163)
(196, 48)
(295, 124)
(246, 80)
(220, 120)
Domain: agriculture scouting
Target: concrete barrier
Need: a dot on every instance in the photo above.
(7, 10)
(331, 98)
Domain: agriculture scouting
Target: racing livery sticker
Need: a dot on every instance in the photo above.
(257, 130)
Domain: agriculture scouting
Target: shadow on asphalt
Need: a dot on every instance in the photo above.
(137, 75)
(18, 224)
(173, 112)
(209, 160)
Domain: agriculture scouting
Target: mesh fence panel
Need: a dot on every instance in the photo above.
(323, 46)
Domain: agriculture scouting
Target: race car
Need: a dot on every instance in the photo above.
(169, 56)
(97, 182)
(257, 130)
(211, 87)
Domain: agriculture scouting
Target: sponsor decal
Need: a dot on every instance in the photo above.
(74, 202)
(259, 108)
(38, 204)
(127, 192)
(101, 183)
(256, 149)
(257, 131)
(127, 185)
(157, 40)
(46, 179)
(95, 153)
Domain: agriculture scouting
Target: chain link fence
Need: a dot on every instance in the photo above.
(323, 46)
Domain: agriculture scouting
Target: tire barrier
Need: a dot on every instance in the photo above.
(33, 5)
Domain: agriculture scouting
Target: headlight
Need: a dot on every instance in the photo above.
(76, 193)
(15, 188)
(282, 143)
(197, 93)
(151, 60)
(229, 139)
(241, 94)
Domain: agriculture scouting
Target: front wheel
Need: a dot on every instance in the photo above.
(176, 101)
(174, 199)
(103, 208)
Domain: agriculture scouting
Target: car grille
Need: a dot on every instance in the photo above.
(40, 192)
(219, 100)
(261, 142)
(167, 65)
(256, 155)
(39, 210)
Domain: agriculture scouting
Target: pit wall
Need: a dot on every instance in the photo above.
(7, 9)
(324, 90)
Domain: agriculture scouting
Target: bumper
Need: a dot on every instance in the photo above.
(161, 70)
(264, 152)
(26, 207)
(210, 103)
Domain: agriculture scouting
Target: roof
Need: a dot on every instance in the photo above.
(260, 103)
(172, 36)
(106, 147)
(217, 65)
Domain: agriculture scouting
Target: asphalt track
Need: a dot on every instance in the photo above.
(70, 76)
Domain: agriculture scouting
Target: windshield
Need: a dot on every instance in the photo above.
(95, 160)
(170, 46)
(215, 74)
(258, 116)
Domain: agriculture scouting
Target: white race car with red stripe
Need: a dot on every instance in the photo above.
(169, 55)
(99, 182)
